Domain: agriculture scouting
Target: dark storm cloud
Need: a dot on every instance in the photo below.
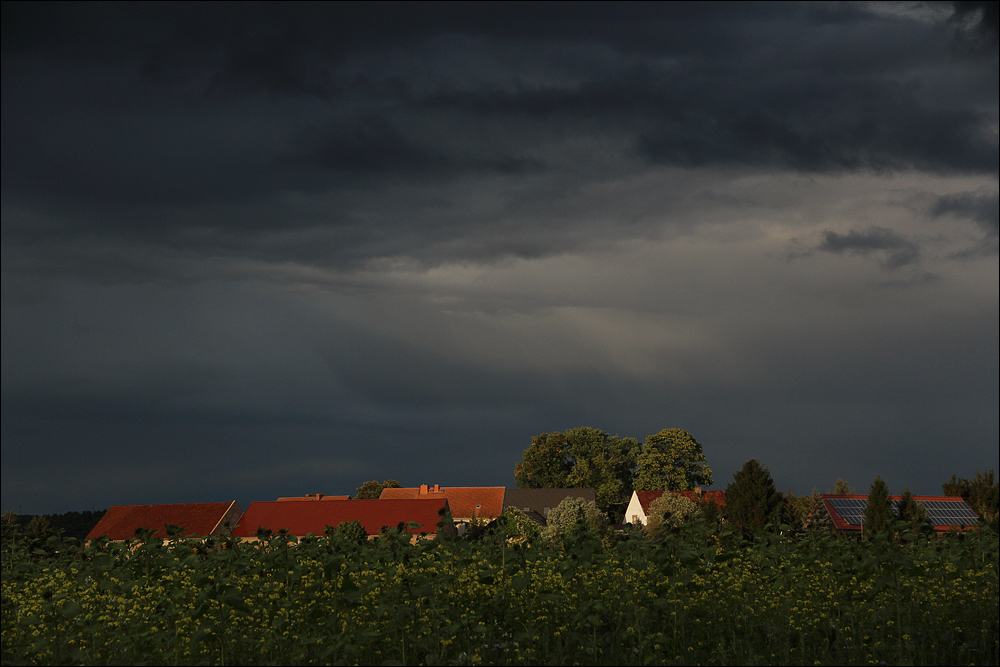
(898, 250)
(104, 32)
(981, 18)
(368, 145)
(714, 85)
(863, 129)
(980, 207)
(312, 244)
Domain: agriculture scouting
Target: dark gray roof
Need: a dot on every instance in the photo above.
(538, 500)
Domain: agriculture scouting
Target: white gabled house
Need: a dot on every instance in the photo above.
(638, 506)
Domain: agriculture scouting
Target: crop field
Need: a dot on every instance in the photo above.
(697, 596)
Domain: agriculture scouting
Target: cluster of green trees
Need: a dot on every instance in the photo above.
(612, 465)
(754, 502)
(981, 493)
(673, 460)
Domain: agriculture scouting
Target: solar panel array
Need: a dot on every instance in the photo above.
(851, 510)
(940, 512)
(950, 513)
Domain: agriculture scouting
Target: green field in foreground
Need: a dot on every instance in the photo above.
(698, 595)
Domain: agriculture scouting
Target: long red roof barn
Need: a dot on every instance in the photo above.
(302, 517)
(120, 522)
(464, 501)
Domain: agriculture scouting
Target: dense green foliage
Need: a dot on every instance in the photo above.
(913, 514)
(672, 460)
(604, 463)
(581, 457)
(371, 490)
(352, 531)
(547, 463)
(842, 488)
(982, 494)
(612, 465)
(520, 526)
(669, 509)
(574, 513)
(68, 524)
(697, 595)
(879, 514)
(806, 512)
(752, 501)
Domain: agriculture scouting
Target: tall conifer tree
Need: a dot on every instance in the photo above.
(913, 513)
(879, 514)
(752, 500)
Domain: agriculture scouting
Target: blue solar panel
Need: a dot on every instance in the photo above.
(851, 510)
(940, 512)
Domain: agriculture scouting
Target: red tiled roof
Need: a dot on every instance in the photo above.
(314, 496)
(646, 497)
(305, 516)
(484, 501)
(121, 521)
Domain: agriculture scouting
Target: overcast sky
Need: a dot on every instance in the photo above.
(252, 251)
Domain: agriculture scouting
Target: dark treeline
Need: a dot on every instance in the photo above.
(42, 526)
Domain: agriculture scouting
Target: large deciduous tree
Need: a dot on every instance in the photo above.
(672, 460)
(371, 490)
(581, 457)
(546, 463)
(604, 463)
(752, 500)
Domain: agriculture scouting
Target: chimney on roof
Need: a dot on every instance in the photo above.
(437, 488)
(423, 489)
(697, 492)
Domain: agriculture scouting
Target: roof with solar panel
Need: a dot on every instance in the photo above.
(944, 512)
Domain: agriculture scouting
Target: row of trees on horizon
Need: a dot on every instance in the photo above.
(673, 460)
(615, 466)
